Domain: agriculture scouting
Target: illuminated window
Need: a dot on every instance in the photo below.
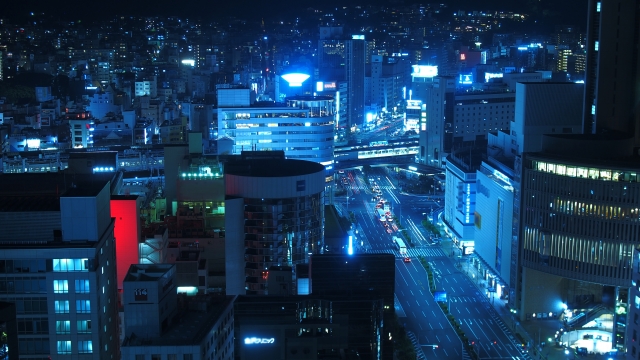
(598, 5)
(60, 286)
(85, 347)
(63, 327)
(64, 347)
(83, 306)
(66, 265)
(84, 326)
(61, 306)
(596, 45)
(82, 286)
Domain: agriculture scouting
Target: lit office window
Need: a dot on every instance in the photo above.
(85, 347)
(63, 327)
(84, 326)
(83, 306)
(60, 286)
(596, 45)
(66, 265)
(82, 286)
(598, 4)
(61, 306)
(64, 347)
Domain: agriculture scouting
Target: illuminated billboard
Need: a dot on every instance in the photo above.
(325, 86)
(424, 71)
(295, 79)
(466, 79)
(330, 86)
(189, 62)
(488, 76)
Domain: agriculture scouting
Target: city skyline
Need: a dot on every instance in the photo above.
(572, 12)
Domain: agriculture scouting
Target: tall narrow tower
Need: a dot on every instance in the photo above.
(354, 68)
(612, 82)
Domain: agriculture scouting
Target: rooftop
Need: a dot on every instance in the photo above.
(270, 167)
(147, 272)
(190, 327)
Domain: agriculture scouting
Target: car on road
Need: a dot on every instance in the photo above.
(407, 259)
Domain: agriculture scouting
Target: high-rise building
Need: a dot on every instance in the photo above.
(58, 264)
(331, 53)
(562, 59)
(355, 50)
(459, 119)
(274, 216)
(389, 74)
(612, 73)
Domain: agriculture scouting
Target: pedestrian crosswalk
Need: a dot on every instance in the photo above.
(412, 252)
(366, 188)
(416, 345)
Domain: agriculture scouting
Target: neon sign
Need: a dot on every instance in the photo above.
(255, 340)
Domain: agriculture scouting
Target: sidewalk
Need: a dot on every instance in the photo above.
(532, 331)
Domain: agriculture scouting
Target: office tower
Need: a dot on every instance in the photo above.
(348, 312)
(166, 325)
(274, 216)
(304, 129)
(359, 278)
(438, 132)
(389, 74)
(562, 59)
(307, 327)
(613, 41)
(58, 264)
(579, 225)
(354, 71)
(331, 54)
(456, 119)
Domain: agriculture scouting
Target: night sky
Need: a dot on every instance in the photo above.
(573, 12)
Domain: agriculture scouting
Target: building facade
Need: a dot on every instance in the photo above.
(61, 274)
(274, 216)
(304, 129)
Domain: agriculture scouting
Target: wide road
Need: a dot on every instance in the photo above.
(423, 318)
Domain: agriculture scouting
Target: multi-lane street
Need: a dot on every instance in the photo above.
(426, 323)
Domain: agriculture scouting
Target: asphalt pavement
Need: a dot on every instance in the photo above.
(427, 324)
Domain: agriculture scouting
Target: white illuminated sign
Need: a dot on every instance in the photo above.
(424, 71)
(295, 79)
(488, 76)
(319, 86)
(255, 340)
(189, 62)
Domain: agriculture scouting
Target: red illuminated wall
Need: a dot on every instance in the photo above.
(127, 232)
